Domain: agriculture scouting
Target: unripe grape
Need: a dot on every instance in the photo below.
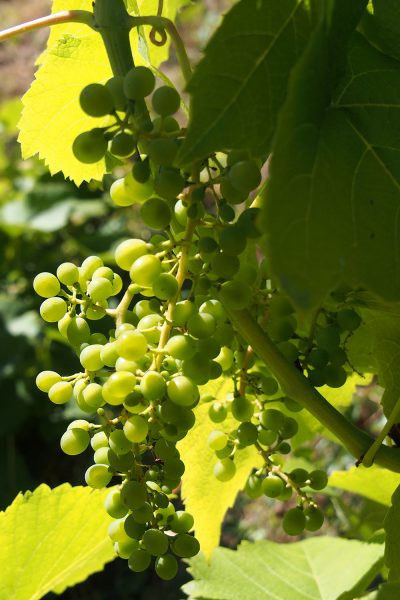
(182, 312)
(141, 171)
(101, 456)
(272, 486)
(99, 440)
(328, 338)
(115, 86)
(182, 391)
(125, 548)
(139, 82)
(128, 251)
(100, 289)
(46, 379)
(123, 145)
(230, 193)
(74, 441)
(245, 176)
(217, 412)
(166, 567)
(155, 542)
(267, 437)
(181, 347)
(145, 270)
(224, 469)
(90, 147)
(314, 518)
(181, 522)
(132, 345)
(96, 100)
(232, 240)
(272, 419)
(89, 266)
(234, 295)
(46, 285)
(153, 386)
(139, 561)
(98, 476)
(185, 545)
(217, 440)
(53, 309)
(134, 529)
(60, 392)
(247, 433)
(289, 428)
(335, 377)
(114, 506)
(120, 384)
(201, 325)
(162, 151)
(294, 521)
(348, 319)
(119, 443)
(299, 476)
(242, 409)
(68, 273)
(169, 183)
(318, 358)
(133, 494)
(93, 395)
(156, 213)
(166, 101)
(165, 286)
(136, 429)
(318, 479)
(90, 358)
(269, 386)
(143, 514)
(253, 486)
(120, 194)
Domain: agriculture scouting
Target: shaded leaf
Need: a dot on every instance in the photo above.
(362, 481)
(387, 591)
(52, 539)
(239, 86)
(391, 525)
(321, 568)
(205, 497)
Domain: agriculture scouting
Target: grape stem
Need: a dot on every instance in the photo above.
(369, 457)
(295, 385)
(162, 23)
(66, 16)
(123, 306)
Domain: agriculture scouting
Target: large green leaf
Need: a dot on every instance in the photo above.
(392, 527)
(74, 57)
(387, 591)
(321, 568)
(239, 86)
(205, 497)
(52, 539)
(362, 481)
(332, 203)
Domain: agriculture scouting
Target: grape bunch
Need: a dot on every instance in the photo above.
(164, 305)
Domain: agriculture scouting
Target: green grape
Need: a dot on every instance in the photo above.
(181, 347)
(232, 240)
(132, 345)
(143, 514)
(151, 326)
(226, 212)
(165, 286)
(155, 542)
(181, 522)
(234, 295)
(217, 440)
(348, 319)
(139, 561)
(230, 193)
(133, 494)
(224, 469)
(120, 194)
(60, 392)
(217, 412)
(166, 101)
(314, 518)
(182, 391)
(121, 462)
(120, 384)
(89, 266)
(214, 308)
(115, 86)
(46, 379)
(182, 312)
(134, 529)
(98, 476)
(338, 357)
(139, 82)
(68, 273)
(247, 433)
(101, 456)
(318, 358)
(90, 147)
(185, 545)
(136, 429)
(123, 145)
(197, 368)
(79, 424)
(125, 548)
(209, 348)
(145, 270)
(289, 428)
(317, 377)
(207, 245)
(245, 176)
(156, 213)
(46, 285)
(328, 338)
(140, 192)
(272, 486)
(280, 306)
(284, 448)
(269, 386)
(169, 183)
(281, 330)
(224, 265)
(299, 476)
(253, 486)
(98, 338)
(114, 506)
(180, 213)
(100, 289)
(153, 386)
(242, 408)
(109, 354)
(235, 156)
(119, 443)
(144, 308)
(318, 479)
(248, 221)
(90, 358)
(53, 309)
(267, 437)
(99, 440)
(116, 530)
(225, 358)
(272, 419)
(167, 124)
(162, 151)
(74, 441)
(292, 405)
(128, 251)
(294, 521)
(123, 329)
(289, 351)
(166, 567)
(141, 171)
(77, 330)
(286, 494)
(96, 100)
(335, 377)
(201, 325)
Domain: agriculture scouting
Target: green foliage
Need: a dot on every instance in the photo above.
(59, 536)
(392, 548)
(322, 568)
(362, 481)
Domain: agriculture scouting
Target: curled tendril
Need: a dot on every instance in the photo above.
(158, 37)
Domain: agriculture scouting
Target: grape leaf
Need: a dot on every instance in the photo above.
(74, 57)
(391, 525)
(362, 481)
(205, 497)
(52, 539)
(332, 201)
(382, 27)
(387, 591)
(320, 568)
(239, 86)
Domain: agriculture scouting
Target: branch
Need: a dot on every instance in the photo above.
(66, 16)
(297, 387)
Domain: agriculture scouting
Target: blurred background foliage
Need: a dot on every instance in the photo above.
(45, 221)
